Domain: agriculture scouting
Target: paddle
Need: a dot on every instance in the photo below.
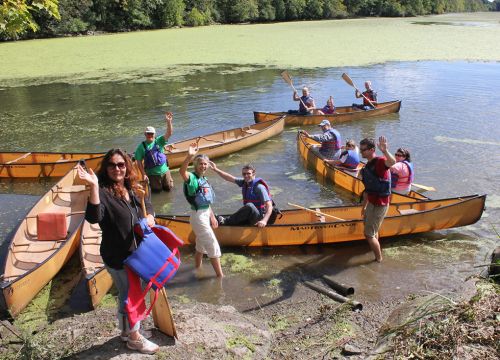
(423, 187)
(162, 313)
(316, 212)
(348, 80)
(288, 80)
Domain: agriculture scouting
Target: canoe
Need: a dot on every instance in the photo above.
(36, 252)
(340, 177)
(342, 113)
(96, 277)
(225, 142)
(301, 227)
(43, 164)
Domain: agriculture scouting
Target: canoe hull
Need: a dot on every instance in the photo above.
(339, 177)
(43, 164)
(343, 113)
(298, 227)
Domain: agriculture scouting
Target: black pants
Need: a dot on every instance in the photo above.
(246, 215)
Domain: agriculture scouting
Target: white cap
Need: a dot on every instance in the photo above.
(324, 123)
(150, 130)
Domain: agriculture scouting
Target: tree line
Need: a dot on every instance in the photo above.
(23, 19)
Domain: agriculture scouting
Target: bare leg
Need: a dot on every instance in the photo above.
(375, 246)
(216, 265)
(198, 257)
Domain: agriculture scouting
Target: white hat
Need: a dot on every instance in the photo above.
(324, 123)
(150, 130)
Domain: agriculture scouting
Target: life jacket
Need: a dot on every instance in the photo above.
(204, 195)
(396, 179)
(374, 184)
(352, 160)
(333, 143)
(249, 196)
(153, 157)
(328, 110)
(370, 94)
(305, 100)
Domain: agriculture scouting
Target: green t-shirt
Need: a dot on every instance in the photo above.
(192, 185)
(140, 152)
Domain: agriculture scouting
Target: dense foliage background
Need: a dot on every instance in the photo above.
(87, 16)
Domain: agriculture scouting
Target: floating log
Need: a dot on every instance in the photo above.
(338, 287)
(333, 295)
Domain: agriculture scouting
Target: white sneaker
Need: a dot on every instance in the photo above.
(143, 345)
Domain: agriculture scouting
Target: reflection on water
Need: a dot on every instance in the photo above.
(448, 120)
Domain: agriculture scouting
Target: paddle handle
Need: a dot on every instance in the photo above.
(316, 212)
(289, 81)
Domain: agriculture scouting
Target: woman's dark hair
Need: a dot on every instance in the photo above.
(106, 182)
(405, 152)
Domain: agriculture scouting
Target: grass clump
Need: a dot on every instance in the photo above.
(239, 264)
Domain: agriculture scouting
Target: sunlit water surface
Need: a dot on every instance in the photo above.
(449, 120)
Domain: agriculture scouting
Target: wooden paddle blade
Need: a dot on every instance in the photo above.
(347, 79)
(286, 77)
(423, 187)
(162, 314)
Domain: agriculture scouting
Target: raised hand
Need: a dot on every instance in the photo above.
(193, 149)
(212, 165)
(169, 116)
(88, 176)
(382, 144)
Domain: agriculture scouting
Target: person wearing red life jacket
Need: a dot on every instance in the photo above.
(402, 173)
(257, 202)
(369, 94)
(376, 178)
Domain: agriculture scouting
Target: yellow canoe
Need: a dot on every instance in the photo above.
(339, 176)
(43, 164)
(301, 227)
(34, 259)
(342, 114)
(225, 142)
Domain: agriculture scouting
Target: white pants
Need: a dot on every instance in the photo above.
(206, 242)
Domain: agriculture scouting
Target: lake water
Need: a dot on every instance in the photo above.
(450, 121)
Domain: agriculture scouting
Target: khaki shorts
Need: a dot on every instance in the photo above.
(374, 215)
(161, 182)
(206, 242)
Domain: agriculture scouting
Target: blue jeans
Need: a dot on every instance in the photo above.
(121, 282)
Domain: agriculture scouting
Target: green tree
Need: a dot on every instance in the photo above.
(313, 9)
(280, 9)
(16, 16)
(334, 9)
(266, 10)
(294, 9)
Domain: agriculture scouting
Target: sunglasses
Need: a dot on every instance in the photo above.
(364, 149)
(399, 155)
(246, 173)
(120, 165)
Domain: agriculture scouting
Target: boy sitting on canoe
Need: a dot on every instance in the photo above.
(349, 158)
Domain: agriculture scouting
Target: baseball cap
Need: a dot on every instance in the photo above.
(324, 122)
(150, 130)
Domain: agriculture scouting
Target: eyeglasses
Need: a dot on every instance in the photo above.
(399, 155)
(246, 173)
(120, 165)
(364, 149)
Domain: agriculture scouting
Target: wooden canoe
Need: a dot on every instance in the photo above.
(301, 227)
(340, 177)
(96, 276)
(225, 142)
(31, 263)
(342, 113)
(43, 164)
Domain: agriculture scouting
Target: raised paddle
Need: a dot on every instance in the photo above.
(348, 80)
(316, 212)
(423, 187)
(288, 80)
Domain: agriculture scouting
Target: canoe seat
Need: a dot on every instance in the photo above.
(35, 247)
(250, 131)
(71, 189)
(407, 211)
(94, 239)
(94, 258)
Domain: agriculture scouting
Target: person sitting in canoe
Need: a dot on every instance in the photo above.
(328, 109)
(330, 141)
(151, 159)
(257, 203)
(402, 172)
(200, 195)
(349, 158)
(368, 96)
(306, 102)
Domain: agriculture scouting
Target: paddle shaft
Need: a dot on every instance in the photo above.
(348, 80)
(316, 212)
(288, 80)
(423, 187)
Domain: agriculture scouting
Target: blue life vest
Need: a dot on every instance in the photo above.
(153, 157)
(249, 196)
(305, 100)
(375, 185)
(395, 178)
(352, 160)
(204, 195)
(334, 143)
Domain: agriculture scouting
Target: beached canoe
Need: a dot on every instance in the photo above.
(301, 227)
(342, 113)
(95, 275)
(345, 179)
(43, 242)
(225, 142)
(43, 164)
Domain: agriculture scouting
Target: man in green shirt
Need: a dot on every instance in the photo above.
(151, 158)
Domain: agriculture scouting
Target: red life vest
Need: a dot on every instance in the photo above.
(370, 94)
